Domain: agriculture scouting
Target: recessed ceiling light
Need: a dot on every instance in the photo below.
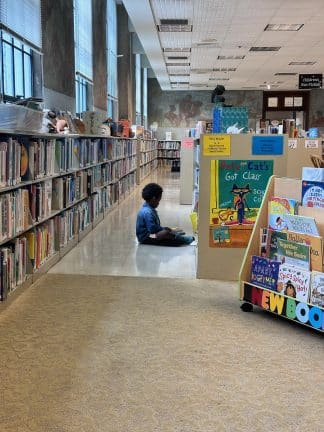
(178, 64)
(285, 73)
(258, 49)
(302, 63)
(176, 49)
(233, 57)
(283, 27)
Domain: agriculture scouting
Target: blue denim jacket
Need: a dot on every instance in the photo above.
(147, 222)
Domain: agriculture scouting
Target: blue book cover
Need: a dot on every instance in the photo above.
(312, 193)
(264, 272)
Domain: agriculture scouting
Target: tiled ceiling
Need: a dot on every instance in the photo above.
(223, 33)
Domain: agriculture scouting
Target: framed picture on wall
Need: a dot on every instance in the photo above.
(289, 102)
(298, 101)
(272, 102)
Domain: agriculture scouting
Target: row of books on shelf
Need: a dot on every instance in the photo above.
(290, 258)
(147, 157)
(146, 169)
(21, 208)
(25, 159)
(169, 145)
(27, 253)
(168, 154)
(148, 145)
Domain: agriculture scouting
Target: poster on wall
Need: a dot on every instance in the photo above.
(236, 191)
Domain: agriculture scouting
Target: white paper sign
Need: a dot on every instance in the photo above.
(292, 143)
(311, 143)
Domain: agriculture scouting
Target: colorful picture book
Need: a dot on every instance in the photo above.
(278, 208)
(294, 282)
(317, 289)
(316, 247)
(301, 224)
(312, 194)
(295, 254)
(264, 272)
(272, 243)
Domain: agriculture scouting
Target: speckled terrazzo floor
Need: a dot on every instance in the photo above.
(153, 355)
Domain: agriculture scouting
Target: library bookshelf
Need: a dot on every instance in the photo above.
(54, 189)
(147, 161)
(303, 313)
(169, 154)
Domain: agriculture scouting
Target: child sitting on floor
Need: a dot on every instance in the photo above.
(148, 225)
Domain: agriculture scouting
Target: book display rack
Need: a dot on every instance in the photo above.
(54, 190)
(169, 154)
(282, 271)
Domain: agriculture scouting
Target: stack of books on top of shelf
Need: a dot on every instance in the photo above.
(290, 259)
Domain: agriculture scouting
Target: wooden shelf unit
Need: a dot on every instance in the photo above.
(262, 297)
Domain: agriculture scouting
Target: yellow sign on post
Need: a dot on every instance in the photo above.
(217, 145)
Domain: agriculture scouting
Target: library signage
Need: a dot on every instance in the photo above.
(310, 81)
(287, 307)
(217, 145)
(267, 145)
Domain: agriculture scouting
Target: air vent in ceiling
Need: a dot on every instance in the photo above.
(180, 82)
(177, 57)
(178, 64)
(179, 74)
(286, 73)
(201, 71)
(283, 27)
(218, 79)
(224, 69)
(175, 50)
(258, 49)
(231, 57)
(302, 63)
(174, 25)
(173, 21)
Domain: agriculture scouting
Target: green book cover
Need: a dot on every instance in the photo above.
(294, 254)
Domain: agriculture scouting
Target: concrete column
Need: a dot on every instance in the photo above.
(58, 49)
(126, 68)
(99, 39)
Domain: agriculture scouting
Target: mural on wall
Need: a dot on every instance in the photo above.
(185, 108)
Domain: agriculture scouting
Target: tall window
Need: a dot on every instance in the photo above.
(83, 53)
(138, 89)
(20, 41)
(112, 86)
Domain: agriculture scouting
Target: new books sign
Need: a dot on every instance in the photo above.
(310, 81)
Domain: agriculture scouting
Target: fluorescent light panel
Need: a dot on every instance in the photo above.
(174, 28)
